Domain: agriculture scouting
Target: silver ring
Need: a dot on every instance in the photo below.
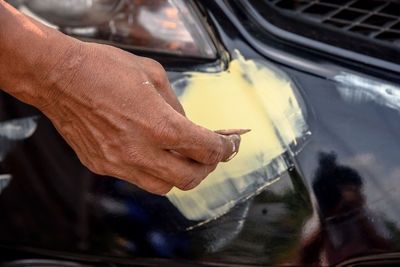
(234, 152)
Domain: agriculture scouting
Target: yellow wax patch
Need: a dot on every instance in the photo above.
(248, 95)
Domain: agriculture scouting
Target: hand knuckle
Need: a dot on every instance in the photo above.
(159, 189)
(188, 184)
(213, 156)
(157, 73)
(155, 65)
(211, 168)
(141, 76)
(163, 190)
(180, 181)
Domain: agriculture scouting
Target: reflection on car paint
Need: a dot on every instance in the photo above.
(357, 89)
(12, 131)
(250, 94)
(4, 181)
(349, 227)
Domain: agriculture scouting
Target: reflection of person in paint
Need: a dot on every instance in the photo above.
(116, 110)
(347, 228)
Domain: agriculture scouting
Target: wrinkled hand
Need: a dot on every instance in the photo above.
(121, 117)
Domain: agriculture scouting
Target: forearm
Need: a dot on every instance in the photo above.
(30, 52)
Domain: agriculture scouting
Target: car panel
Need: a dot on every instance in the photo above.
(57, 207)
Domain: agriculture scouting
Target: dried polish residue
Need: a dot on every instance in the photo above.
(250, 94)
(358, 89)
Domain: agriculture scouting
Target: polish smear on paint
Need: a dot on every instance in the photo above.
(252, 95)
(357, 89)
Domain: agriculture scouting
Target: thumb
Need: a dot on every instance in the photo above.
(203, 145)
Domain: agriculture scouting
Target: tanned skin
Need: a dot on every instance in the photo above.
(116, 110)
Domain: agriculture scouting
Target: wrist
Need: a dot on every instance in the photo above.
(34, 58)
(58, 71)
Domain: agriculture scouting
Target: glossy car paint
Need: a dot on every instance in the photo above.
(338, 202)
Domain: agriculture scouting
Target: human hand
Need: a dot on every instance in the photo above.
(116, 110)
(121, 117)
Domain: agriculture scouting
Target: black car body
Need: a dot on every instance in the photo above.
(337, 202)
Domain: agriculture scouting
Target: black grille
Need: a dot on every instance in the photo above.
(376, 19)
(367, 31)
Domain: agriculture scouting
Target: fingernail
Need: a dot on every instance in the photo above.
(243, 131)
(233, 131)
(235, 140)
